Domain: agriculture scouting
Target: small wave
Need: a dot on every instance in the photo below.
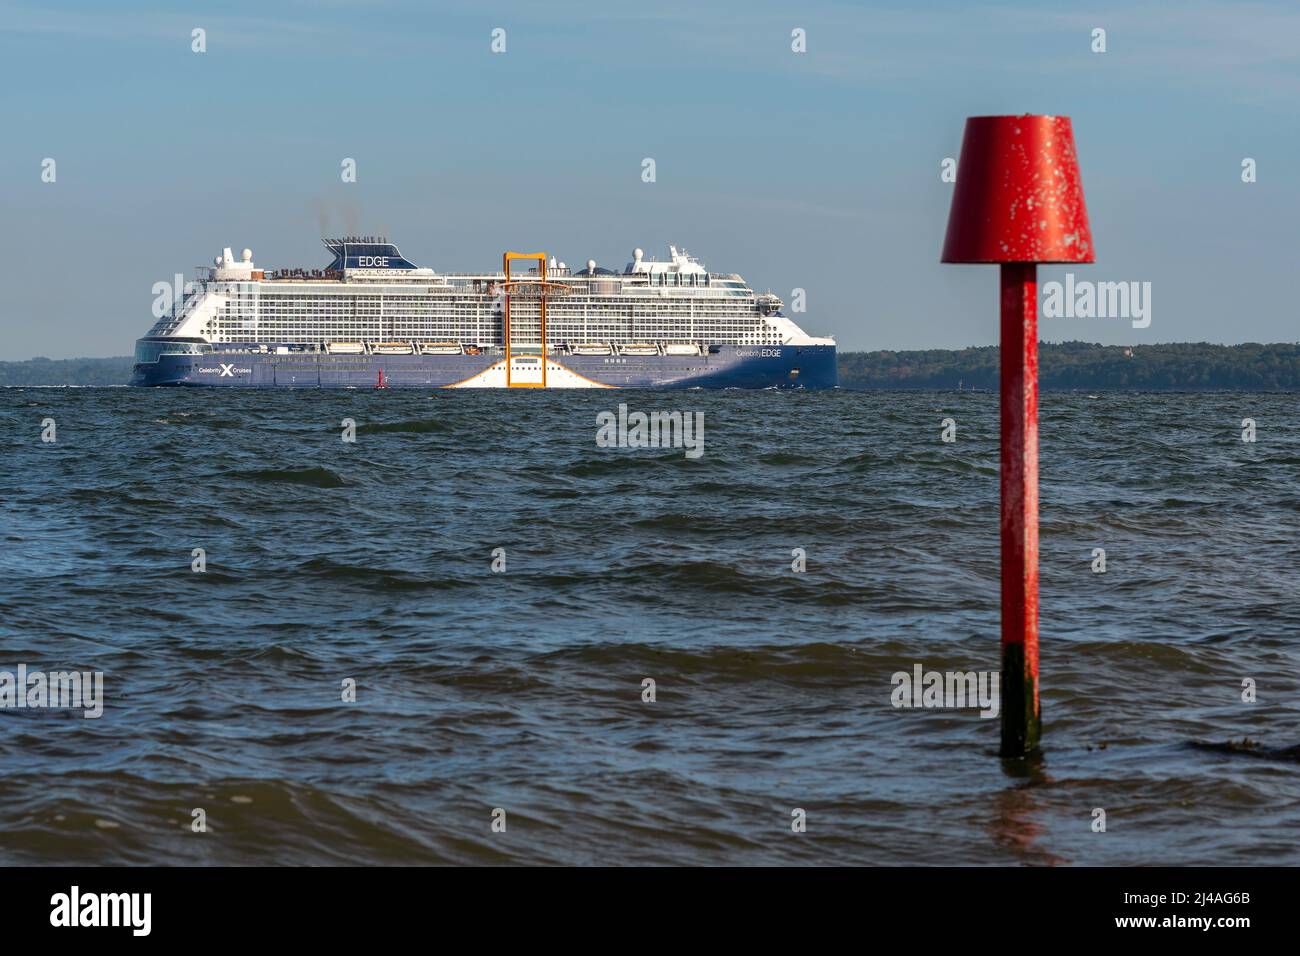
(783, 458)
(759, 661)
(1250, 748)
(417, 426)
(316, 477)
(382, 578)
(951, 463)
(113, 496)
(627, 462)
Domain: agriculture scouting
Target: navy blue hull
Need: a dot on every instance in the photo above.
(732, 366)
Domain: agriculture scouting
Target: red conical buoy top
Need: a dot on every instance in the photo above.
(1018, 196)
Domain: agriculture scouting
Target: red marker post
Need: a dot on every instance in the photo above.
(1019, 202)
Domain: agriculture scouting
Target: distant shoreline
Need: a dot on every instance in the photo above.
(1184, 366)
(1067, 366)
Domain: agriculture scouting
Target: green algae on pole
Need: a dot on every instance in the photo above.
(1018, 202)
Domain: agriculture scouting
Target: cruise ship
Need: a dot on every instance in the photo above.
(371, 318)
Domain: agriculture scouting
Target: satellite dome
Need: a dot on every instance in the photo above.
(247, 255)
(217, 262)
(637, 254)
(591, 265)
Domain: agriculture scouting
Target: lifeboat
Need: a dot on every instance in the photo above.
(638, 348)
(345, 348)
(440, 348)
(681, 348)
(591, 348)
(391, 348)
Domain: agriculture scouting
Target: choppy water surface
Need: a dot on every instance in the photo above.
(523, 690)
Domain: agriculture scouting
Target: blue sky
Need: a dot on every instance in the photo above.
(817, 170)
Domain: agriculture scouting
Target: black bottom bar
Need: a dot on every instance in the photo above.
(942, 906)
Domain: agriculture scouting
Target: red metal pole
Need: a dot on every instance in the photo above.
(1021, 718)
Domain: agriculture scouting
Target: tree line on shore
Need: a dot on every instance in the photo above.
(1082, 365)
(77, 371)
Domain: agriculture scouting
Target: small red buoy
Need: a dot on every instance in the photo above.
(1019, 202)
(381, 383)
